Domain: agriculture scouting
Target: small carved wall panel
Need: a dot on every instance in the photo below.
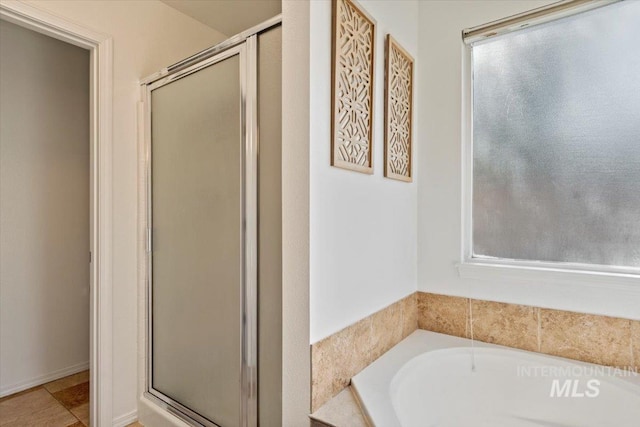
(352, 87)
(398, 112)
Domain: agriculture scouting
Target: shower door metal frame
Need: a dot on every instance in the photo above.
(245, 46)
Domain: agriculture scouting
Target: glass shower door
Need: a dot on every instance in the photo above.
(201, 261)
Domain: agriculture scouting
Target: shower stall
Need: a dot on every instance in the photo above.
(212, 141)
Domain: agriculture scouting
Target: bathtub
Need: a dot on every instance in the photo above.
(436, 380)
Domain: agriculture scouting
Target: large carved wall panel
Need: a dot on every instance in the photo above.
(352, 87)
(398, 112)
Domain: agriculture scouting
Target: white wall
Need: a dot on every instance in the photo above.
(44, 208)
(147, 36)
(363, 227)
(439, 161)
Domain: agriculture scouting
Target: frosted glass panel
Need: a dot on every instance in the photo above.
(196, 288)
(556, 134)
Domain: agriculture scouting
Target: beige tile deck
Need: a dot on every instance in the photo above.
(341, 411)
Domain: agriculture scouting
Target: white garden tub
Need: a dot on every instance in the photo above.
(428, 380)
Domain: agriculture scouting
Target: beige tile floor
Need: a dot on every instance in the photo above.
(60, 403)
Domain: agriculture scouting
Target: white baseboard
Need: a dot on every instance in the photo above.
(126, 419)
(43, 379)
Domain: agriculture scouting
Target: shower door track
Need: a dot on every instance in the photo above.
(213, 50)
(245, 46)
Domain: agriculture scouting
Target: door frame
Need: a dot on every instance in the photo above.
(100, 195)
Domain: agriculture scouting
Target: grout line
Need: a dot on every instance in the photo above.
(539, 330)
(468, 324)
(634, 362)
(401, 306)
(60, 403)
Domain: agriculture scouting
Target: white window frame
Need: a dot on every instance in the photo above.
(626, 280)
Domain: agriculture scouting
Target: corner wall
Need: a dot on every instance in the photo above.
(147, 36)
(439, 160)
(296, 358)
(363, 228)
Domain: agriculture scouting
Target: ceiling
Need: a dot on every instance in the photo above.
(229, 17)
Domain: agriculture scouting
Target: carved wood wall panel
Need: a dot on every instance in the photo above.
(398, 112)
(352, 87)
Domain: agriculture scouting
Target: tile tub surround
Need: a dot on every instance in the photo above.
(586, 337)
(337, 358)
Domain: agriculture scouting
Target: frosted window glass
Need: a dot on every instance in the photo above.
(556, 140)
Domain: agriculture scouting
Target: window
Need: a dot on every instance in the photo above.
(555, 156)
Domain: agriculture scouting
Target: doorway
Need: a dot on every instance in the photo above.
(45, 229)
(96, 254)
